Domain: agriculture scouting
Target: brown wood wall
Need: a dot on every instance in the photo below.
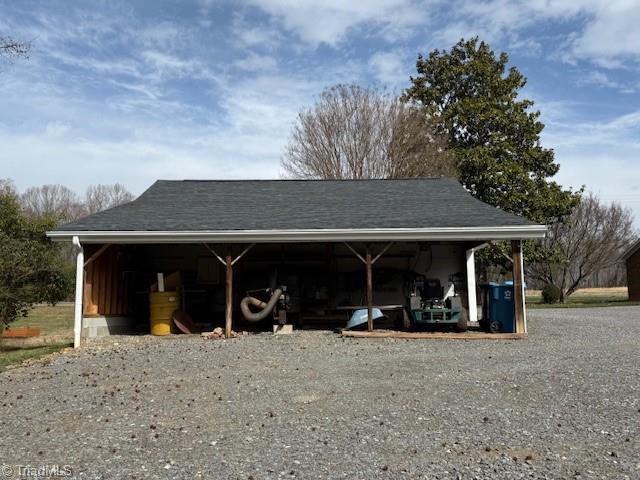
(633, 276)
(106, 287)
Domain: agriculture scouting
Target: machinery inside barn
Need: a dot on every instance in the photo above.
(417, 285)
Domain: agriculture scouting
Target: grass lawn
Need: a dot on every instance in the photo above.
(11, 355)
(56, 333)
(50, 320)
(585, 298)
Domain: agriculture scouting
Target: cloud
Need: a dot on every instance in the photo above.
(254, 62)
(598, 78)
(124, 93)
(390, 67)
(604, 33)
(601, 154)
(57, 129)
(147, 107)
(164, 35)
(247, 33)
(611, 33)
(601, 79)
(329, 22)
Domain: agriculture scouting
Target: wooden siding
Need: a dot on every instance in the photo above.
(106, 287)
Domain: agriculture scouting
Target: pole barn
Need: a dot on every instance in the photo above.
(297, 253)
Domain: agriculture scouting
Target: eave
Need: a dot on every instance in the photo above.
(519, 232)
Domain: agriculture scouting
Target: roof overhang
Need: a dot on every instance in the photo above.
(519, 232)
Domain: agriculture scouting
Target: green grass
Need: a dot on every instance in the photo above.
(586, 298)
(12, 355)
(56, 333)
(590, 303)
(50, 320)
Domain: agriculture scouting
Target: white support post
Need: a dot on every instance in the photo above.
(524, 303)
(77, 315)
(471, 285)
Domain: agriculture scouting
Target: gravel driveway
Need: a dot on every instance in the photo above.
(562, 404)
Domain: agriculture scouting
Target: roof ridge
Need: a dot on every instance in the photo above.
(241, 180)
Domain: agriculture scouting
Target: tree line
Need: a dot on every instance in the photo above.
(64, 204)
(462, 115)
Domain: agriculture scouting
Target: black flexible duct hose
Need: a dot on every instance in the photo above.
(267, 308)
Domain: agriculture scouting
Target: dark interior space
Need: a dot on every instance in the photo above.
(323, 282)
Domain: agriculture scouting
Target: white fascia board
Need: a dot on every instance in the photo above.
(320, 235)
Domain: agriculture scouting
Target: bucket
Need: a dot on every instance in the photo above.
(161, 308)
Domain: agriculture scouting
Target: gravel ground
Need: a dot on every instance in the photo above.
(562, 404)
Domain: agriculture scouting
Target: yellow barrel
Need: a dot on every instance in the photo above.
(161, 307)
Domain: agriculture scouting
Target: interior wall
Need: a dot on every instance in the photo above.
(107, 282)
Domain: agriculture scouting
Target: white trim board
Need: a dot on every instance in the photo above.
(518, 232)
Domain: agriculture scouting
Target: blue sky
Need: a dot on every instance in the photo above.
(134, 91)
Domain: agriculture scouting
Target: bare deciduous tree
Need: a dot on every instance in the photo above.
(101, 197)
(56, 200)
(11, 48)
(65, 205)
(7, 187)
(355, 132)
(592, 239)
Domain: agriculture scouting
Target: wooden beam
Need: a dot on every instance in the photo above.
(242, 254)
(228, 262)
(229, 299)
(434, 335)
(382, 252)
(355, 253)
(99, 252)
(369, 291)
(368, 261)
(220, 259)
(518, 284)
(233, 262)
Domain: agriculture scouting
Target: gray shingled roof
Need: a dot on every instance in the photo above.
(211, 205)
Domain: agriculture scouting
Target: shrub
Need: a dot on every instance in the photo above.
(550, 294)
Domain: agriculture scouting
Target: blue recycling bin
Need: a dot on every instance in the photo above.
(499, 308)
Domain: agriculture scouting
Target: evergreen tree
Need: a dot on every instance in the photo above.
(473, 99)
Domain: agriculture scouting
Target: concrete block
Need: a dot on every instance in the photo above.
(104, 326)
(286, 329)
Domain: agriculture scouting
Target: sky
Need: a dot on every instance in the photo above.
(134, 91)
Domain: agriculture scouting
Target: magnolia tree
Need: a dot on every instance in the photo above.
(474, 98)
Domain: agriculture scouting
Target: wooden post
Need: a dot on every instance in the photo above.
(518, 285)
(369, 291)
(229, 262)
(229, 299)
(369, 263)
